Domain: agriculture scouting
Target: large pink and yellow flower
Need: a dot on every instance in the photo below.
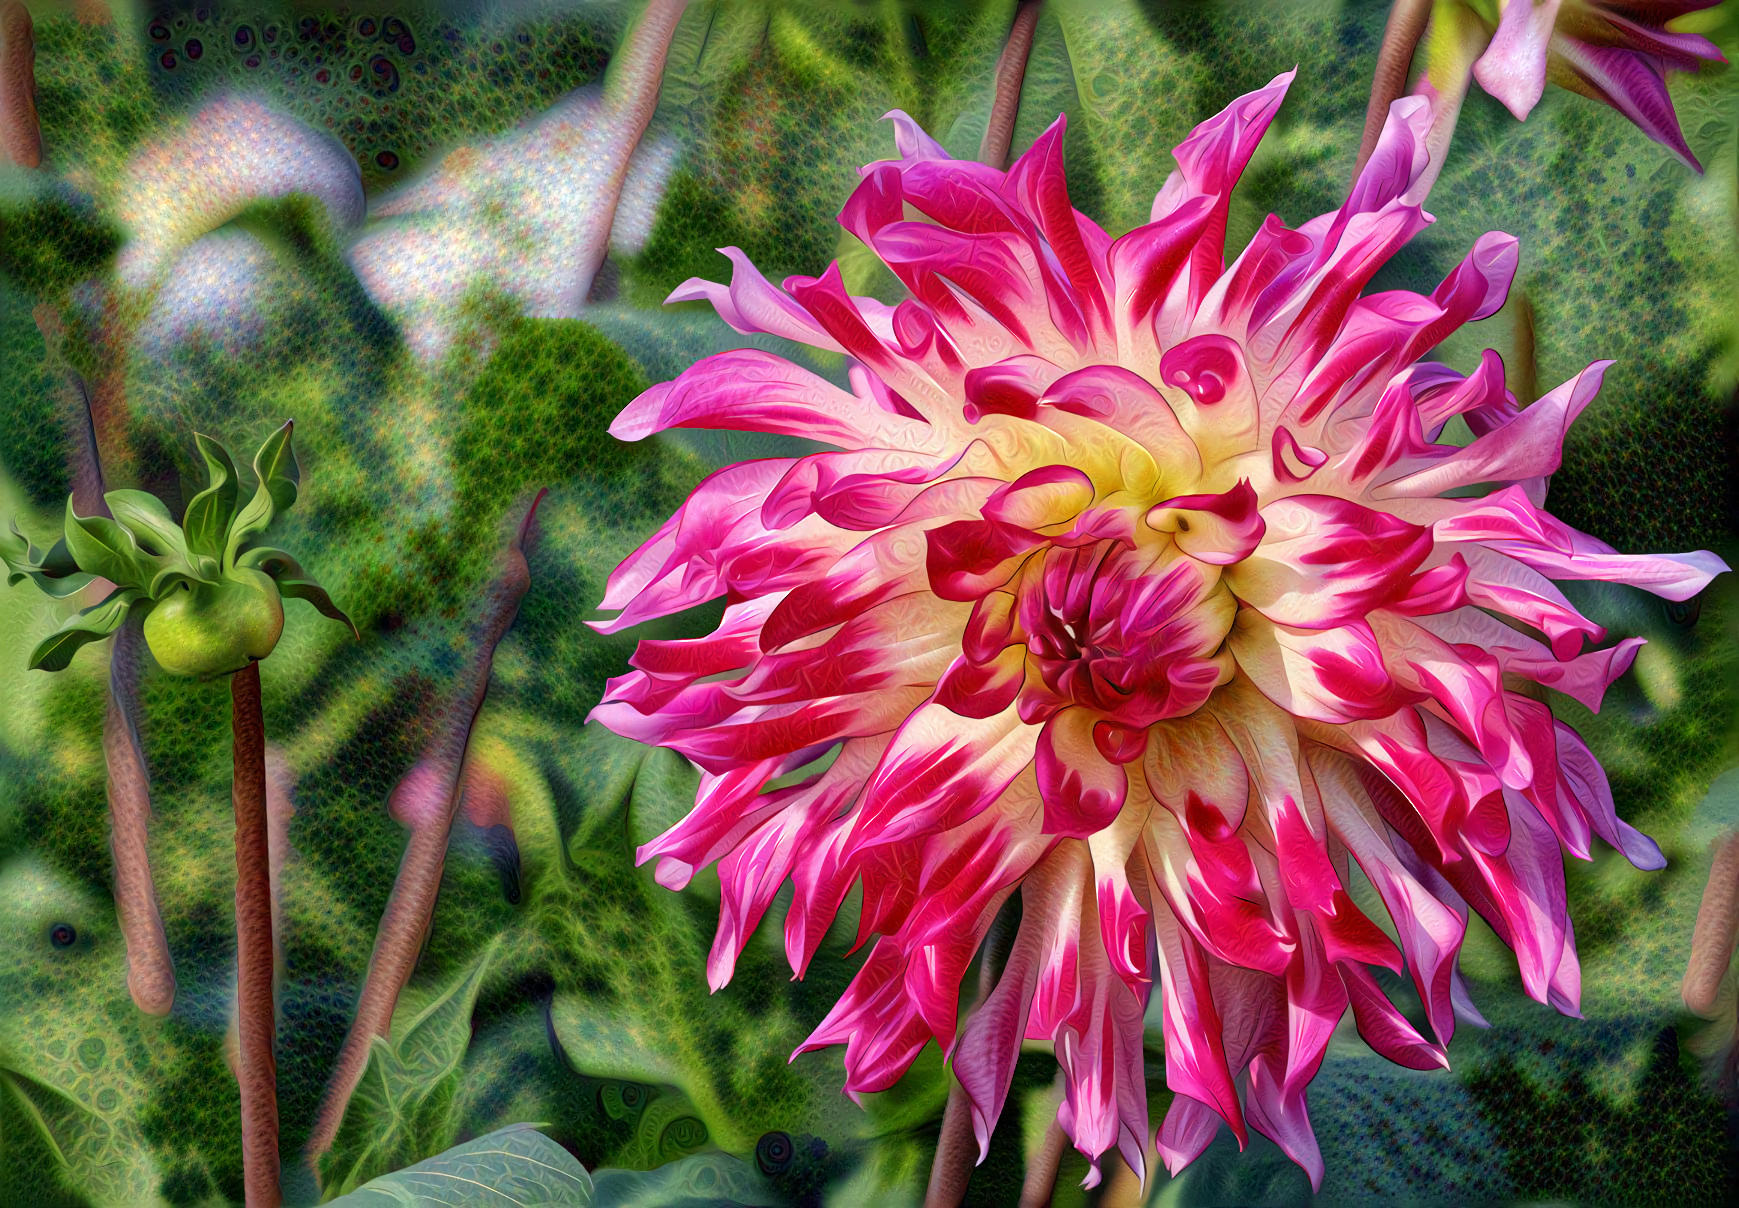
(1133, 585)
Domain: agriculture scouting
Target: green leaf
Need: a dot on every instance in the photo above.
(210, 512)
(275, 464)
(706, 1179)
(102, 547)
(54, 572)
(513, 1165)
(404, 1106)
(144, 515)
(293, 581)
(95, 623)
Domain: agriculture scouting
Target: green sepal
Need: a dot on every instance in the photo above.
(94, 624)
(144, 515)
(55, 572)
(102, 547)
(208, 516)
(293, 581)
(166, 579)
(275, 464)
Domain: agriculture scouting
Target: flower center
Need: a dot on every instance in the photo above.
(1134, 635)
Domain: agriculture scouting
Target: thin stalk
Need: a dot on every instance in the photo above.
(1041, 1172)
(255, 1014)
(957, 1145)
(1716, 929)
(426, 800)
(1407, 20)
(630, 99)
(20, 131)
(1010, 74)
(150, 971)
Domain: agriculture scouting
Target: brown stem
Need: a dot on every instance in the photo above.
(150, 971)
(957, 1145)
(631, 97)
(1713, 936)
(255, 1015)
(1010, 73)
(1041, 1172)
(426, 800)
(20, 131)
(1407, 20)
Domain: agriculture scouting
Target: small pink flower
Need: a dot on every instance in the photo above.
(1615, 51)
(1132, 586)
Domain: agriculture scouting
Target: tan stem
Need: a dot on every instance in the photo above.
(20, 131)
(630, 99)
(434, 783)
(1407, 21)
(1041, 1172)
(150, 971)
(1716, 930)
(255, 1013)
(1010, 74)
(957, 1145)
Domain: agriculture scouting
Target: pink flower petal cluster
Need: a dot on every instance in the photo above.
(1614, 51)
(1132, 585)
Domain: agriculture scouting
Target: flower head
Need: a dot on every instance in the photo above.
(1132, 585)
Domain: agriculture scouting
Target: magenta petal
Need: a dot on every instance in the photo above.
(1082, 790)
(1189, 1128)
(1632, 83)
(750, 303)
(753, 391)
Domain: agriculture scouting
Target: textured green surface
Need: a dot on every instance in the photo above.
(567, 988)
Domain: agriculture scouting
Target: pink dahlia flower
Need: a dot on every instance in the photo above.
(1133, 586)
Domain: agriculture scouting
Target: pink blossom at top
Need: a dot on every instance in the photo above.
(1131, 585)
(1614, 51)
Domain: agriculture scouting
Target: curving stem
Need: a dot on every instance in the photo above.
(1716, 930)
(1407, 20)
(255, 1015)
(426, 800)
(150, 972)
(1010, 74)
(957, 1146)
(1041, 1172)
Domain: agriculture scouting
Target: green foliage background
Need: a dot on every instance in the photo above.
(565, 987)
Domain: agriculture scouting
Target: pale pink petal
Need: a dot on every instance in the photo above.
(1513, 67)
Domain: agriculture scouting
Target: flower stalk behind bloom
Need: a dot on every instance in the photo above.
(1131, 585)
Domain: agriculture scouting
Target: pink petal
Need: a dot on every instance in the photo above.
(752, 391)
(1513, 68)
(942, 769)
(1632, 83)
(1325, 561)
(1082, 790)
(751, 304)
(1330, 675)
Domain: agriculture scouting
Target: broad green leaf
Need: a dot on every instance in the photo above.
(293, 581)
(55, 573)
(208, 516)
(102, 547)
(95, 623)
(99, 1156)
(513, 1165)
(706, 1180)
(404, 1106)
(144, 515)
(275, 464)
